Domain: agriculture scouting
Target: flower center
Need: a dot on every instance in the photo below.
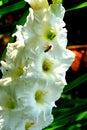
(47, 65)
(39, 96)
(50, 34)
(28, 125)
(20, 72)
(11, 104)
(16, 73)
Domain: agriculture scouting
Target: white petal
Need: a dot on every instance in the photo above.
(58, 10)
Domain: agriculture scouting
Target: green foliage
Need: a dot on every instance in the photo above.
(75, 83)
(1, 2)
(12, 7)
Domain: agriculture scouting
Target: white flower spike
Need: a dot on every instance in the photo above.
(35, 68)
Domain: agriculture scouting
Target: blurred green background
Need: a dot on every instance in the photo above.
(71, 110)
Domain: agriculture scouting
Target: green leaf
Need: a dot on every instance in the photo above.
(12, 7)
(65, 117)
(3, 55)
(1, 2)
(75, 83)
(82, 115)
(78, 7)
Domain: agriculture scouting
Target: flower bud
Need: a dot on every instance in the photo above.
(56, 1)
(38, 4)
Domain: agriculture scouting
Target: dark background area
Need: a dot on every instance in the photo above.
(76, 22)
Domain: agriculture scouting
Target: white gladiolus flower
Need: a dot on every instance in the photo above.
(42, 122)
(15, 63)
(50, 65)
(26, 122)
(47, 30)
(17, 120)
(35, 93)
(44, 67)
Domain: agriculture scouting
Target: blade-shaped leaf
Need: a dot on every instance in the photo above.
(76, 82)
(12, 7)
(78, 6)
